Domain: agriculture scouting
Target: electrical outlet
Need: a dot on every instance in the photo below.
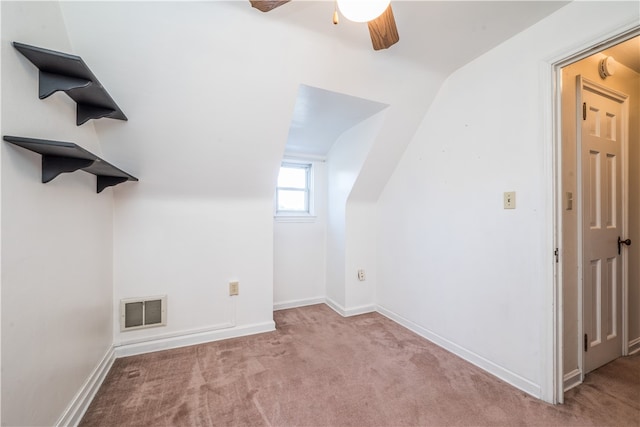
(510, 200)
(361, 276)
(234, 288)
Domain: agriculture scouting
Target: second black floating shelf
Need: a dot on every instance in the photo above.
(69, 73)
(59, 157)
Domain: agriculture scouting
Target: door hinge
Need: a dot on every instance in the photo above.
(584, 111)
(586, 342)
(556, 253)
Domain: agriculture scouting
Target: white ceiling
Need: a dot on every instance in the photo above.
(214, 87)
(437, 35)
(321, 116)
(626, 53)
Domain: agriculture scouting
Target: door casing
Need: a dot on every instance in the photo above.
(555, 83)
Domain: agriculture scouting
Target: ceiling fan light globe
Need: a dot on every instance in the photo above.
(362, 10)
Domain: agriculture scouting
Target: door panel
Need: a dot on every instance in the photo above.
(602, 149)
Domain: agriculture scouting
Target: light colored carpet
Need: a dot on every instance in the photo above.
(319, 369)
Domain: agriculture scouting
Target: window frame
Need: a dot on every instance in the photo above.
(294, 215)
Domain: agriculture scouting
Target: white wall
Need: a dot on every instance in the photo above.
(189, 250)
(452, 263)
(56, 238)
(345, 160)
(360, 254)
(209, 103)
(300, 251)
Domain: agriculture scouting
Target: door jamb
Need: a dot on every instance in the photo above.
(585, 50)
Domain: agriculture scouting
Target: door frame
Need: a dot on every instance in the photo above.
(581, 52)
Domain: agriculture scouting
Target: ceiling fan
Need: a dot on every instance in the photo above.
(382, 27)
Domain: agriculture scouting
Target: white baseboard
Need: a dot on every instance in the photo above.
(571, 379)
(335, 306)
(298, 303)
(187, 338)
(348, 312)
(361, 309)
(78, 406)
(634, 346)
(504, 374)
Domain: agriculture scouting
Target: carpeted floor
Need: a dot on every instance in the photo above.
(319, 369)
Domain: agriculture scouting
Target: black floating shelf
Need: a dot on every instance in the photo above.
(69, 73)
(59, 157)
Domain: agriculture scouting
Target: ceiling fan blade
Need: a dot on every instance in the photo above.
(383, 30)
(267, 5)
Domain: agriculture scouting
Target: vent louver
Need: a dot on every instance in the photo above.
(138, 313)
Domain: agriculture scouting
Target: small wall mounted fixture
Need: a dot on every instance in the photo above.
(607, 67)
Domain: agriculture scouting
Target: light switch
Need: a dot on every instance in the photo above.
(510, 200)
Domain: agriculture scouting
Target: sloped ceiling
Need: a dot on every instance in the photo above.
(210, 88)
(440, 35)
(429, 29)
(626, 53)
(321, 116)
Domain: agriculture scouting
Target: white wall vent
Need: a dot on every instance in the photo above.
(139, 313)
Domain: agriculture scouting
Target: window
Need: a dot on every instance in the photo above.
(293, 194)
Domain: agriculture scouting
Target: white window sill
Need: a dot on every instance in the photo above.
(295, 218)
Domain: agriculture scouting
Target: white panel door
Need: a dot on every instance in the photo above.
(601, 134)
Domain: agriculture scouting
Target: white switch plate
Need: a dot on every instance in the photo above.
(234, 288)
(361, 276)
(510, 200)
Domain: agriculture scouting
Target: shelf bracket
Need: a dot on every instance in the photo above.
(60, 156)
(105, 181)
(52, 166)
(86, 112)
(68, 73)
(50, 83)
